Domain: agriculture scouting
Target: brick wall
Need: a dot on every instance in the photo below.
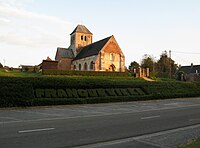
(64, 64)
(49, 65)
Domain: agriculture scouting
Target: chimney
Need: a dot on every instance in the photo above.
(192, 65)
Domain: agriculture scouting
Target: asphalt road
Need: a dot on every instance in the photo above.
(137, 124)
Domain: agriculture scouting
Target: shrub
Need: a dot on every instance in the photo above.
(57, 90)
(85, 73)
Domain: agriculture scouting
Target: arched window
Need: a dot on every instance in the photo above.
(82, 37)
(112, 57)
(85, 38)
(85, 66)
(92, 65)
(74, 67)
(79, 66)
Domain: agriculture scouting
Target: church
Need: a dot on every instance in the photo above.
(84, 55)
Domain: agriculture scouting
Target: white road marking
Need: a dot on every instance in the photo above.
(36, 130)
(150, 117)
(138, 138)
(176, 103)
(33, 112)
(99, 115)
(198, 119)
(11, 118)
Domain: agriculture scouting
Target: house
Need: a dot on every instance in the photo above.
(84, 55)
(189, 73)
(25, 68)
(49, 64)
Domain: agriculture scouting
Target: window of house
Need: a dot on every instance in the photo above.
(82, 37)
(79, 66)
(85, 66)
(85, 38)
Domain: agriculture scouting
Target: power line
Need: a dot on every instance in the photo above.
(195, 56)
(182, 59)
(185, 52)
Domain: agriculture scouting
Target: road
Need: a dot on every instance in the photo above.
(163, 123)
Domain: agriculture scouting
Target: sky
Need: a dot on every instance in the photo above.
(31, 30)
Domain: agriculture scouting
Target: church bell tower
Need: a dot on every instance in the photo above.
(80, 37)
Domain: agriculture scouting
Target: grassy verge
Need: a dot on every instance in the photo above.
(19, 74)
(191, 144)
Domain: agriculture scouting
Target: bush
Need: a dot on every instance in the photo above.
(85, 73)
(57, 90)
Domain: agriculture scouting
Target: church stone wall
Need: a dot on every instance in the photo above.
(112, 55)
(86, 60)
(110, 58)
(79, 40)
(83, 39)
(107, 62)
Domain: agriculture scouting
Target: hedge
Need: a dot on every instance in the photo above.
(85, 73)
(57, 90)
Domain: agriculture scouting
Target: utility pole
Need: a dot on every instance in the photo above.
(170, 68)
(4, 62)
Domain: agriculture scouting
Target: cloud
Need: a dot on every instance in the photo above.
(4, 20)
(20, 13)
(21, 27)
(27, 37)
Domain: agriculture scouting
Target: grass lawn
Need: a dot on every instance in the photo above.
(32, 74)
(192, 144)
(19, 74)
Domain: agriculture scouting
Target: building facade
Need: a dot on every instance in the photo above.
(189, 73)
(84, 55)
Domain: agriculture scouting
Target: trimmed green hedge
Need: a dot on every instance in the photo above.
(85, 73)
(21, 91)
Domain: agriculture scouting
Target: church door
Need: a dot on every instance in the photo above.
(112, 68)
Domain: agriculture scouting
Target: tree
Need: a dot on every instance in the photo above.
(1, 66)
(148, 62)
(165, 66)
(133, 65)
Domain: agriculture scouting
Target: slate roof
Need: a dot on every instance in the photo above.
(81, 29)
(92, 49)
(190, 69)
(64, 53)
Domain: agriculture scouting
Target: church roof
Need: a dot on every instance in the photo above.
(92, 49)
(64, 53)
(81, 29)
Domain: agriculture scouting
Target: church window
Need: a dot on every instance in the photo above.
(79, 66)
(85, 38)
(112, 57)
(82, 37)
(92, 65)
(85, 66)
